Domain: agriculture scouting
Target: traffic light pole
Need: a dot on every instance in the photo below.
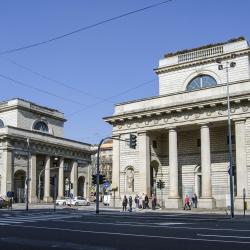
(98, 169)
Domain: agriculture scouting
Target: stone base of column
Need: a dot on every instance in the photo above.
(47, 199)
(173, 202)
(208, 203)
(238, 203)
(34, 199)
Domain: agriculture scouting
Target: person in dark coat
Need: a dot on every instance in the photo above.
(124, 203)
(130, 201)
(146, 201)
(153, 201)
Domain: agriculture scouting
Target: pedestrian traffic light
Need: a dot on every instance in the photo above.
(132, 141)
(102, 179)
(94, 179)
(71, 185)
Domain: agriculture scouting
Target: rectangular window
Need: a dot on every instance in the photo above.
(154, 144)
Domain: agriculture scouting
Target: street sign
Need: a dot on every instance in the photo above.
(106, 184)
(10, 194)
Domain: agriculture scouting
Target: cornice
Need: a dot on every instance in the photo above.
(198, 62)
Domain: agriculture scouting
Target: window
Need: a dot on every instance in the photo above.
(202, 81)
(1, 124)
(41, 126)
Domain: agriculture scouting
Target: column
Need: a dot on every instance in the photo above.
(74, 177)
(61, 178)
(7, 172)
(241, 164)
(144, 163)
(47, 197)
(173, 200)
(206, 200)
(33, 181)
(116, 173)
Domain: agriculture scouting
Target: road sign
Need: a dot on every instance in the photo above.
(106, 184)
(10, 194)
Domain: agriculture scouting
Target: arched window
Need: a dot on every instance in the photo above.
(200, 82)
(41, 126)
(1, 123)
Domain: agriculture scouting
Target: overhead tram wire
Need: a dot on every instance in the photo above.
(111, 97)
(32, 45)
(40, 90)
(54, 80)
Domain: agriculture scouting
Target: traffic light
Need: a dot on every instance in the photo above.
(52, 180)
(102, 179)
(160, 184)
(94, 179)
(132, 141)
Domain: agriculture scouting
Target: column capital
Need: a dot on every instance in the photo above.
(172, 128)
(204, 124)
(239, 120)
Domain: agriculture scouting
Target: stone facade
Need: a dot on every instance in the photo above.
(32, 144)
(182, 133)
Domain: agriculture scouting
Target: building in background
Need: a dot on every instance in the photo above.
(106, 154)
(33, 135)
(182, 136)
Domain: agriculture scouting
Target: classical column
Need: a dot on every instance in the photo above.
(7, 172)
(116, 173)
(74, 177)
(173, 200)
(61, 178)
(47, 197)
(206, 200)
(33, 181)
(144, 163)
(241, 164)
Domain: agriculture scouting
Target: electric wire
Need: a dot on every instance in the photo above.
(32, 45)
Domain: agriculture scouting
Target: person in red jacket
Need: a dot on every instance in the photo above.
(187, 203)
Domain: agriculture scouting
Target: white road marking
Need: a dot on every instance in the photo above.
(224, 236)
(132, 235)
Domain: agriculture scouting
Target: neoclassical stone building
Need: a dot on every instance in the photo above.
(182, 133)
(33, 135)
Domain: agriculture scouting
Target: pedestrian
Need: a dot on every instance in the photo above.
(140, 202)
(143, 201)
(146, 201)
(153, 201)
(187, 203)
(137, 201)
(195, 200)
(124, 203)
(130, 201)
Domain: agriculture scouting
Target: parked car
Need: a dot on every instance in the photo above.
(80, 201)
(4, 203)
(63, 201)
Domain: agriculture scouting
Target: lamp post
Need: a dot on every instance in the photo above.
(27, 176)
(227, 66)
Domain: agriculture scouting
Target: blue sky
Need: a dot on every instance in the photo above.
(106, 60)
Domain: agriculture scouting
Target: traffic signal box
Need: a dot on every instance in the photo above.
(132, 141)
(94, 181)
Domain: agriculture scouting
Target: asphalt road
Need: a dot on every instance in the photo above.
(40, 229)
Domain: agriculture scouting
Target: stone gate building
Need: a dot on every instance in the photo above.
(33, 135)
(182, 133)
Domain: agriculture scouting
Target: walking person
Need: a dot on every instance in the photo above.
(146, 201)
(137, 201)
(124, 203)
(153, 201)
(130, 201)
(143, 201)
(187, 203)
(195, 200)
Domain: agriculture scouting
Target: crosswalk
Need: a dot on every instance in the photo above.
(9, 219)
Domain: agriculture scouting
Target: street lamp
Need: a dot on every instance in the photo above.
(27, 176)
(227, 66)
